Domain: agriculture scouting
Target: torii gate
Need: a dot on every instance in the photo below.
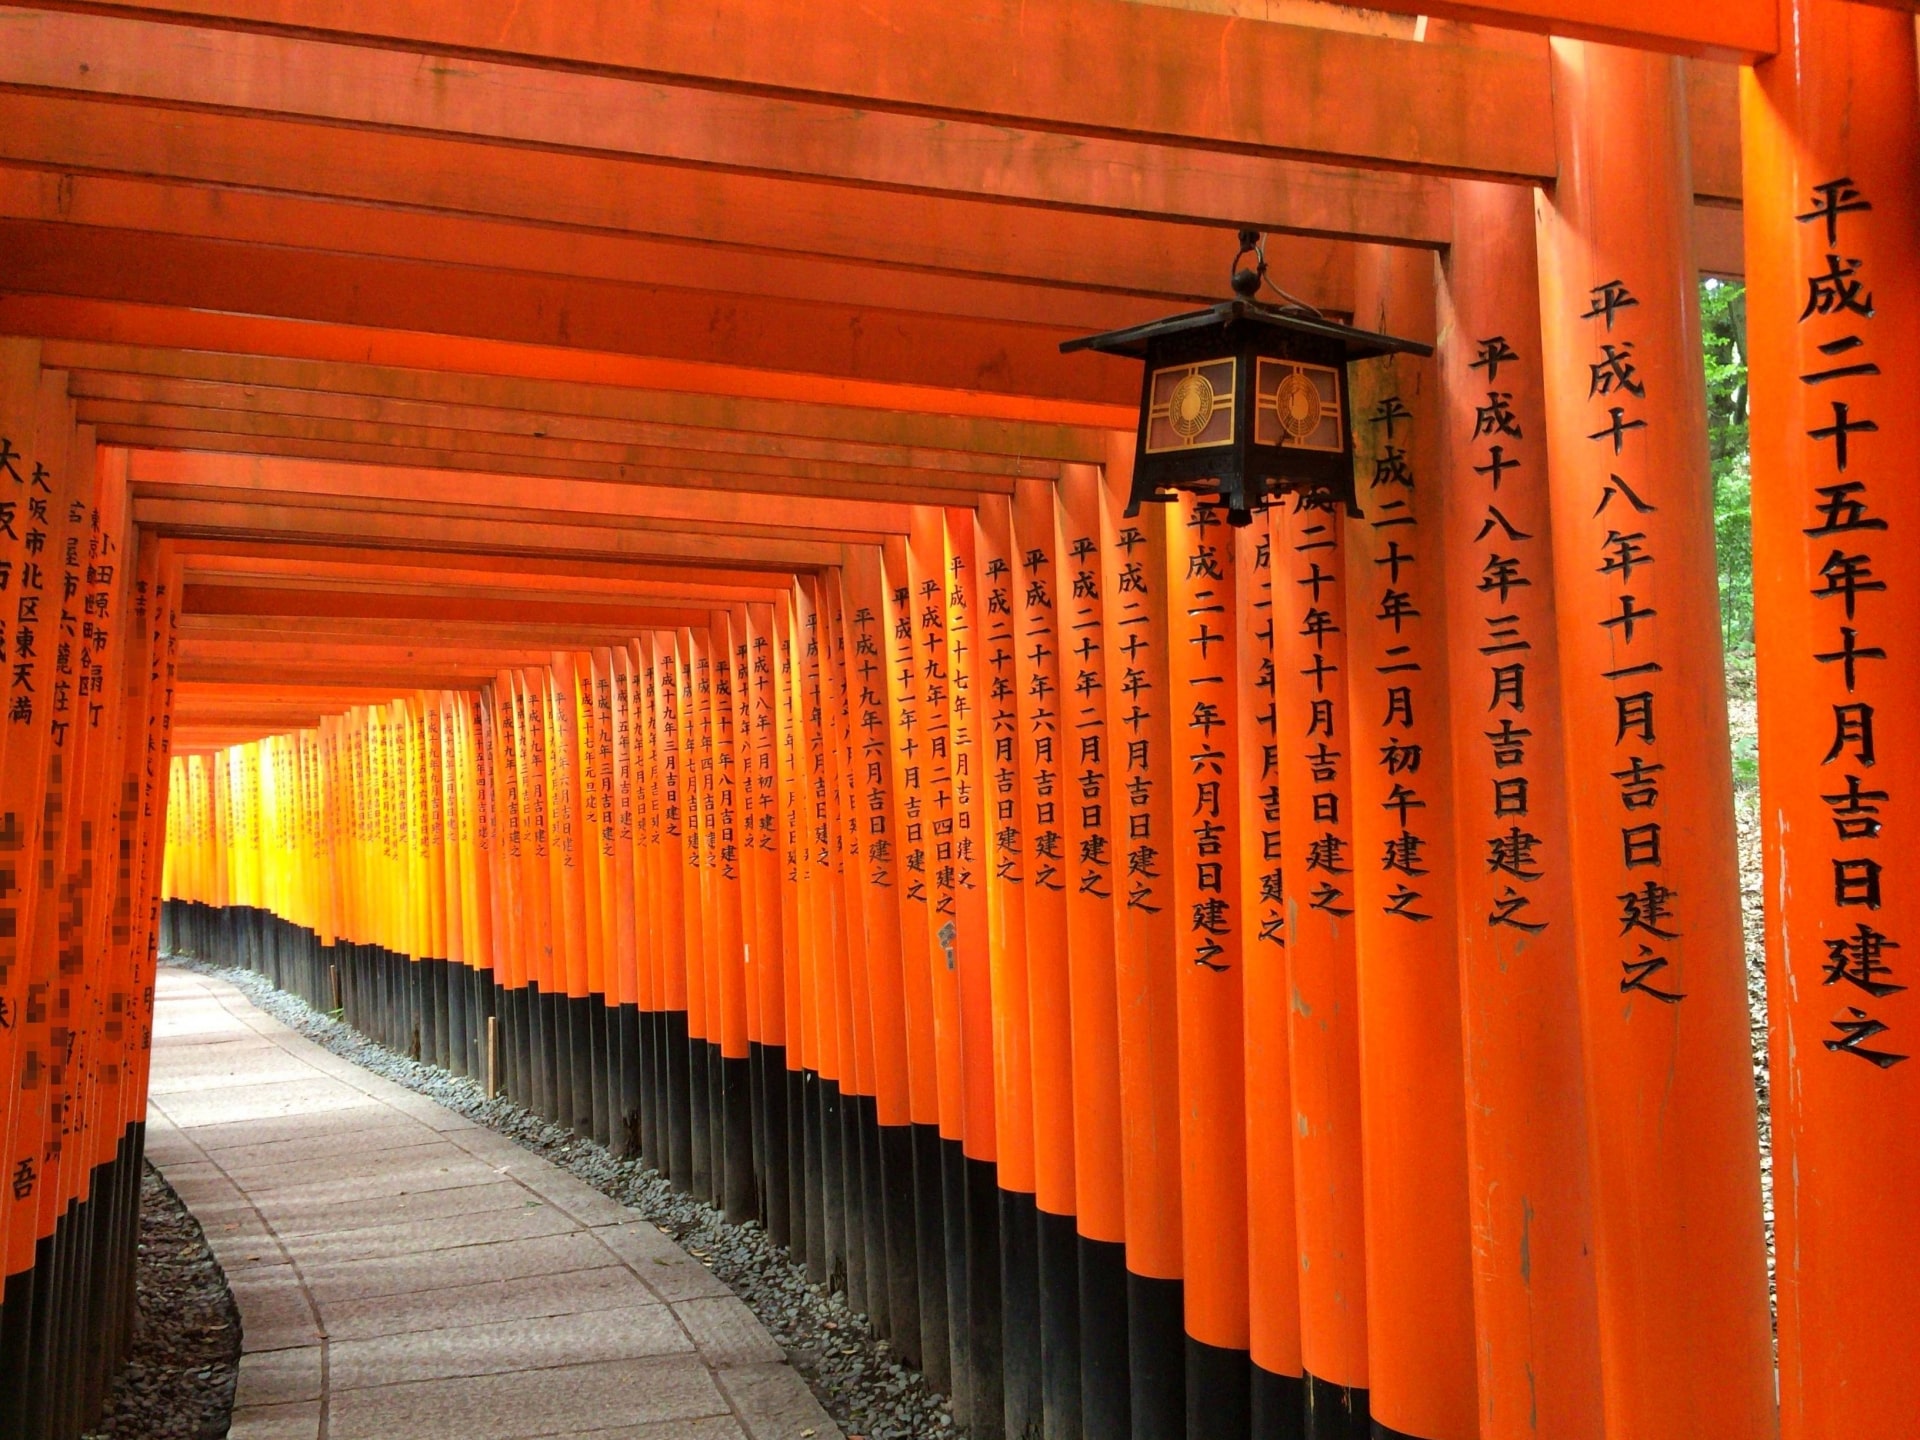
(1515, 801)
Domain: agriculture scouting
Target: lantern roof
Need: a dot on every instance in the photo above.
(1135, 339)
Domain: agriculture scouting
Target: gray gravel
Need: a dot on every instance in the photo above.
(870, 1394)
(178, 1383)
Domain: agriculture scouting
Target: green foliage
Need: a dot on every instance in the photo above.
(1723, 328)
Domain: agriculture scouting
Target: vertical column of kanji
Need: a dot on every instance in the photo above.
(795, 942)
(866, 1260)
(463, 962)
(156, 610)
(58, 933)
(1532, 1254)
(769, 978)
(927, 800)
(613, 718)
(596, 729)
(511, 931)
(826, 1177)
(1671, 1122)
(1007, 866)
(1140, 764)
(1045, 795)
(752, 901)
(480, 836)
(1088, 807)
(109, 1234)
(1413, 1121)
(19, 426)
(39, 728)
(878, 826)
(552, 1076)
(1202, 582)
(576, 699)
(669, 882)
(437, 941)
(573, 868)
(639, 822)
(733, 1071)
(904, 735)
(1145, 943)
(1273, 1299)
(1832, 127)
(960, 823)
(696, 742)
(1317, 743)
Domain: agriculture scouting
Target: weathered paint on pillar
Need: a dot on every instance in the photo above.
(1832, 131)
(1538, 1349)
(1412, 1098)
(1670, 1104)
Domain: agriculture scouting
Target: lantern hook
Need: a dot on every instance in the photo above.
(1246, 283)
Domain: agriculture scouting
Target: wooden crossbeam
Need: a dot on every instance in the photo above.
(1088, 67)
(66, 317)
(506, 383)
(608, 115)
(356, 486)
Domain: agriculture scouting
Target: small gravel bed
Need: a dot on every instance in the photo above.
(178, 1382)
(870, 1394)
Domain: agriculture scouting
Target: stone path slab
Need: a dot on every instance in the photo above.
(405, 1274)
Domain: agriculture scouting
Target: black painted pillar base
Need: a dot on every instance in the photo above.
(1022, 1397)
(736, 1077)
(1105, 1400)
(1059, 1326)
(1336, 1412)
(897, 1196)
(1157, 1356)
(1219, 1392)
(1279, 1406)
(985, 1351)
(600, 1055)
(953, 1203)
(679, 1079)
(929, 1224)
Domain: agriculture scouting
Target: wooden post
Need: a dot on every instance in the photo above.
(1832, 130)
(1671, 1115)
(1412, 1099)
(493, 1056)
(1537, 1349)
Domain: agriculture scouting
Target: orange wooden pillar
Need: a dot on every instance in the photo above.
(1133, 564)
(767, 967)
(872, 828)
(1832, 131)
(1202, 585)
(960, 817)
(852, 989)
(907, 742)
(1318, 762)
(1009, 863)
(926, 802)
(19, 828)
(1041, 749)
(1420, 1358)
(732, 1071)
(1535, 1321)
(1273, 1265)
(1089, 808)
(1671, 1117)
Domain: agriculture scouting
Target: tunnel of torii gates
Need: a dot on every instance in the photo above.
(566, 531)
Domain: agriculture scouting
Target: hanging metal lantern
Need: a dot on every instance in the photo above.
(1244, 402)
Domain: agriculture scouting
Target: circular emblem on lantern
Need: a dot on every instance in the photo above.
(1190, 406)
(1299, 405)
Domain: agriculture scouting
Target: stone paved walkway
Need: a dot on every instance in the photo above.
(404, 1274)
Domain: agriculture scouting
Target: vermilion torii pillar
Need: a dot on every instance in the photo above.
(1537, 1348)
(1670, 1106)
(1832, 130)
(1406, 950)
